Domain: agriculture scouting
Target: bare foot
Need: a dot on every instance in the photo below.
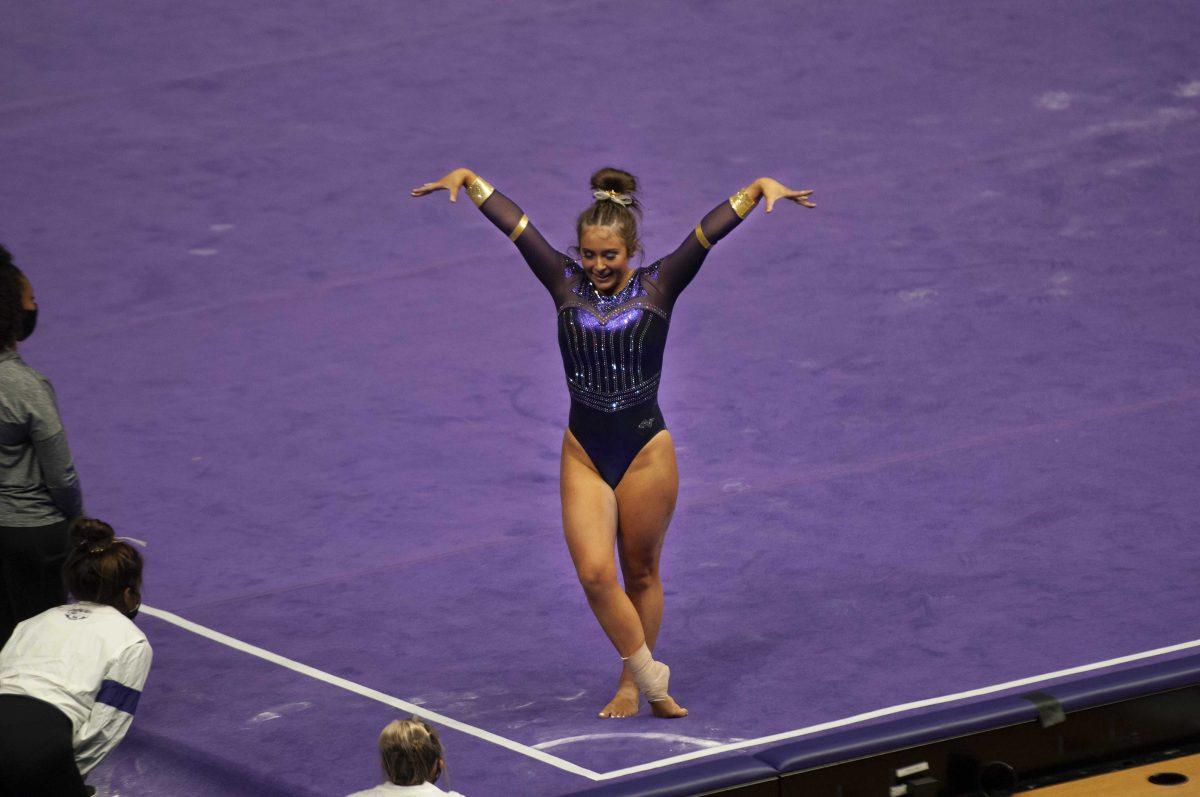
(624, 702)
(667, 708)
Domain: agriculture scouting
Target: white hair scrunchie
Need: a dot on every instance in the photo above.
(612, 196)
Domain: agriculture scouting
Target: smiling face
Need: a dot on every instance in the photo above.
(604, 257)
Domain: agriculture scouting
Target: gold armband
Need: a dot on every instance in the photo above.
(520, 228)
(701, 238)
(742, 203)
(479, 190)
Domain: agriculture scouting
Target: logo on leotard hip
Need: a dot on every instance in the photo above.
(646, 424)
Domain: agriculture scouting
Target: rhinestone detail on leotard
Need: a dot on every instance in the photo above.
(617, 400)
(606, 344)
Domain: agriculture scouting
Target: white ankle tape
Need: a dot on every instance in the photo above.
(650, 676)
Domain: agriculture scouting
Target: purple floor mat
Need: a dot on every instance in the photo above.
(936, 435)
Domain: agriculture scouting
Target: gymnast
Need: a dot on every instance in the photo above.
(618, 477)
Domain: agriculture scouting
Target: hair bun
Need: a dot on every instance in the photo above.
(91, 534)
(610, 179)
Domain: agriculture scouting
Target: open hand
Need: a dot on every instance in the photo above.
(452, 182)
(773, 191)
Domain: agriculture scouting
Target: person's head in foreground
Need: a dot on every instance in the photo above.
(18, 307)
(102, 569)
(411, 752)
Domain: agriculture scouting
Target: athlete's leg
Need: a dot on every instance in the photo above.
(645, 502)
(590, 526)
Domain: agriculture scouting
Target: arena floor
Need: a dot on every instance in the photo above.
(937, 438)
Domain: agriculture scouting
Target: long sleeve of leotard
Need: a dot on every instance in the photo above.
(546, 262)
(678, 268)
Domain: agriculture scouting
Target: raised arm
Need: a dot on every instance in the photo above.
(679, 267)
(546, 262)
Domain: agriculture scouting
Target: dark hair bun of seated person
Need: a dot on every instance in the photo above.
(92, 534)
(99, 567)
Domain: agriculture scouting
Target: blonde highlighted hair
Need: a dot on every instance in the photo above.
(410, 751)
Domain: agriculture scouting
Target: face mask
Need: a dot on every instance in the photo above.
(28, 322)
(132, 613)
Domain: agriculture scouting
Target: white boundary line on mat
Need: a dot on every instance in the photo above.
(575, 769)
(364, 691)
(883, 712)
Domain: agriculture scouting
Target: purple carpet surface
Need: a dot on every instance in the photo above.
(934, 436)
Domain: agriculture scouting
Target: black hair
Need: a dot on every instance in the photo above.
(12, 289)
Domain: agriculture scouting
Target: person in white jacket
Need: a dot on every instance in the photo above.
(70, 677)
(412, 759)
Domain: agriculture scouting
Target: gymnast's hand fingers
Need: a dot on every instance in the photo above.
(427, 188)
(802, 197)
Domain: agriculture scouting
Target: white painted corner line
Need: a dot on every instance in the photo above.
(884, 712)
(575, 769)
(367, 692)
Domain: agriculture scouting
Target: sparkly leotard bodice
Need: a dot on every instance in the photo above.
(612, 346)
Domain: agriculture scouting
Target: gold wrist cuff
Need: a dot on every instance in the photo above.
(520, 228)
(701, 238)
(479, 190)
(742, 203)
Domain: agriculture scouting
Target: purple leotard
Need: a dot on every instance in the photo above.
(612, 346)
